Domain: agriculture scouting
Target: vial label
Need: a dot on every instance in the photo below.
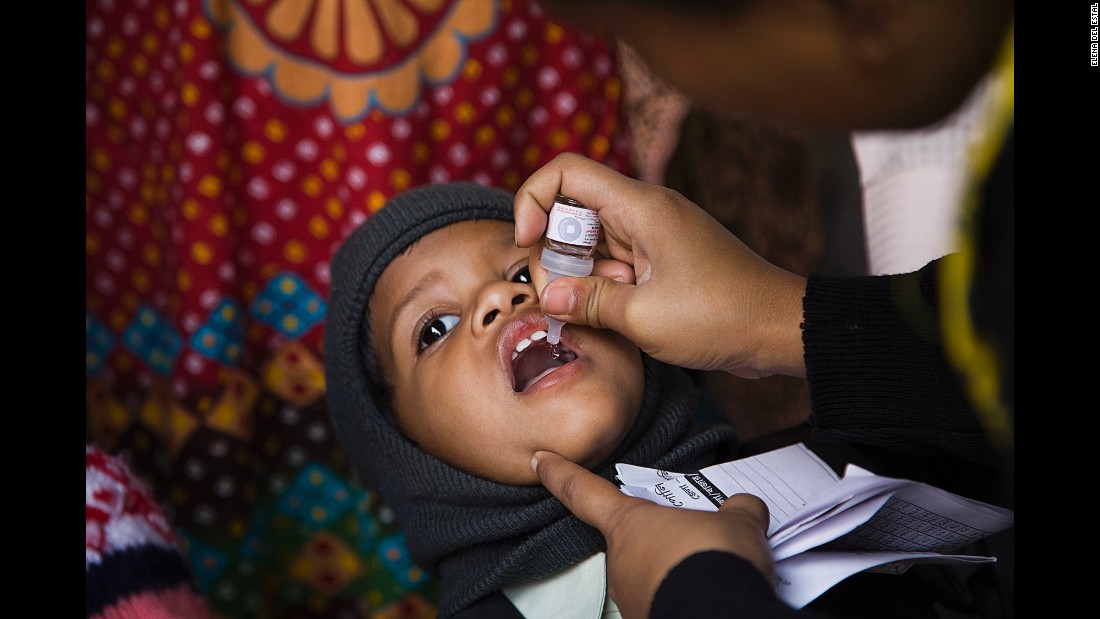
(573, 225)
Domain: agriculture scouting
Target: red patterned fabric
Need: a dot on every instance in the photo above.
(231, 146)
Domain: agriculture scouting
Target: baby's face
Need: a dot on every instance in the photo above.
(449, 317)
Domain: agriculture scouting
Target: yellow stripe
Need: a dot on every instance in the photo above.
(974, 355)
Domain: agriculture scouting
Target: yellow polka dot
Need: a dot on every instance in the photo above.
(524, 98)
(334, 207)
(613, 89)
(296, 252)
(223, 159)
(150, 43)
(510, 78)
(531, 155)
(330, 170)
(598, 147)
(505, 116)
(484, 135)
(105, 71)
(147, 192)
(339, 152)
(465, 113)
(140, 280)
(290, 323)
(553, 33)
(161, 17)
(558, 138)
(472, 70)
(237, 528)
(355, 132)
(200, 28)
(118, 320)
(252, 152)
(318, 227)
(183, 280)
(189, 94)
(117, 109)
(586, 82)
(311, 185)
(511, 179)
(114, 48)
(101, 159)
(210, 186)
(528, 56)
(583, 123)
(318, 513)
(92, 244)
(138, 213)
(275, 130)
(439, 129)
(202, 253)
(287, 285)
(150, 253)
(375, 201)
(219, 225)
(190, 208)
(420, 153)
(186, 52)
(400, 179)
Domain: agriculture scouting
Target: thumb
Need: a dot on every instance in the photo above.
(594, 301)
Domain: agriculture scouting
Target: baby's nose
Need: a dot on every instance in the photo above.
(492, 314)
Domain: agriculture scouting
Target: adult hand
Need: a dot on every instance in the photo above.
(673, 279)
(640, 549)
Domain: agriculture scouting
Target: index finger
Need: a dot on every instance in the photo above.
(590, 497)
(570, 174)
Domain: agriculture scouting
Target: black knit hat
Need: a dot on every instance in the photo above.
(475, 534)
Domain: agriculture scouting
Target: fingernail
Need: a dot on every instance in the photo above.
(558, 300)
(535, 463)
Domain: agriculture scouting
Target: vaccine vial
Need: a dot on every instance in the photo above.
(572, 232)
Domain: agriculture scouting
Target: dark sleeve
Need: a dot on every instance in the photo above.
(717, 585)
(877, 370)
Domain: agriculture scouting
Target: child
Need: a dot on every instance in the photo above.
(441, 387)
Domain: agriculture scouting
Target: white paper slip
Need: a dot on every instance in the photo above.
(825, 528)
(802, 578)
(785, 479)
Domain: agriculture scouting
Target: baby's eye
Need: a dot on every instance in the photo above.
(523, 276)
(435, 327)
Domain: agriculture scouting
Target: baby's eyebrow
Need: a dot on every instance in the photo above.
(428, 281)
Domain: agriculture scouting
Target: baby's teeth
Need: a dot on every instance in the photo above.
(527, 341)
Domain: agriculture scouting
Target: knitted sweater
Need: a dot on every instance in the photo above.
(133, 566)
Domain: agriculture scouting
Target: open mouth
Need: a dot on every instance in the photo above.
(531, 360)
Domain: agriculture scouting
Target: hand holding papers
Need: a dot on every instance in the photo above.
(825, 528)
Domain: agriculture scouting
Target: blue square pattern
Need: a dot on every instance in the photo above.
(98, 343)
(153, 340)
(395, 558)
(288, 305)
(221, 337)
(316, 497)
